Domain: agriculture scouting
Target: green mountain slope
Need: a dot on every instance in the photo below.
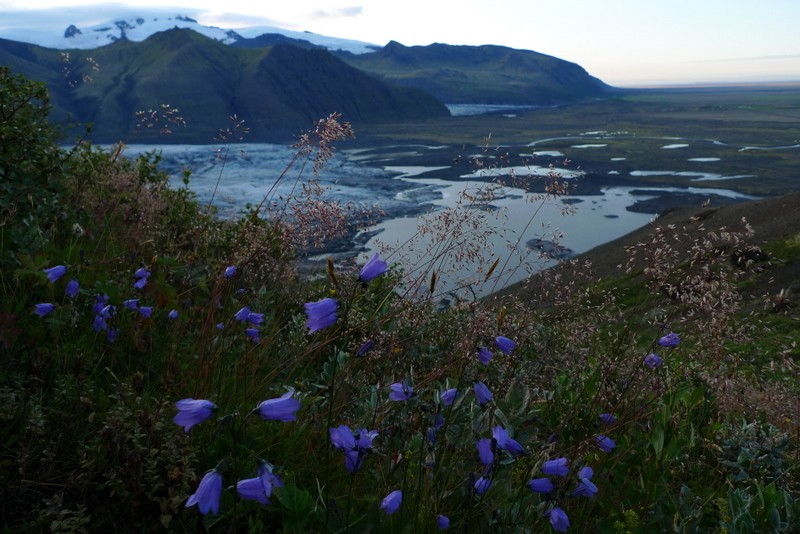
(480, 74)
(277, 90)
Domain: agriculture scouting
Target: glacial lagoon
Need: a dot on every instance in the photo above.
(236, 176)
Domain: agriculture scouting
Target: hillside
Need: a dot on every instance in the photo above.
(277, 90)
(480, 74)
(774, 220)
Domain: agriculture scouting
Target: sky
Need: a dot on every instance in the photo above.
(622, 42)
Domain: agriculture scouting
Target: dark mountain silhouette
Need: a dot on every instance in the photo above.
(277, 90)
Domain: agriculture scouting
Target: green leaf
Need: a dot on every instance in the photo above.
(295, 500)
(657, 440)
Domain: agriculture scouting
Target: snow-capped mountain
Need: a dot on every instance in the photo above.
(76, 36)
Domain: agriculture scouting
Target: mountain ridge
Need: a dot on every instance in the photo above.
(279, 90)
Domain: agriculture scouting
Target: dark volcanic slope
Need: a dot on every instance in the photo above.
(481, 74)
(277, 90)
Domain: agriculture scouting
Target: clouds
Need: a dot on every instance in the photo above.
(337, 13)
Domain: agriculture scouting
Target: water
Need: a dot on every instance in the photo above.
(497, 223)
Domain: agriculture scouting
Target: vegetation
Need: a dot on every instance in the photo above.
(162, 369)
(481, 74)
(282, 88)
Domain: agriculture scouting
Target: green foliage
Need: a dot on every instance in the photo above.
(89, 442)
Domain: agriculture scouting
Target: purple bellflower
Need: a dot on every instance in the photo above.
(373, 269)
(242, 314)
(653, 361)
(321, 314)
(401, 391)
(558, 467)
(43, 309)
(173, 314)
(253, 334)
(208, 493)
(608, 418)
(606, 444)
(131, 304)
(255, 318)
(442, 522)
(670, 340)
(505, 442)
(365, 348)
(54, 273)
(355, 450)
(391, 503)
(260, 488)
(72, 289)
(146, 311)
(447, 397)
(230, 270)
(485, 452)
(541, 485)
(141, 276)
(280, 409)
(505, 345)
(485, 355)
(585, 486)
(482, 485)
(193, 412)
(483, 393)
(558, 519)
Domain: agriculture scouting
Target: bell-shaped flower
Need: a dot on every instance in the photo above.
(608, 418)
(255, 318)
(541, 485)
(373, 269)
(485, 452)
(72, 289)
(606, 444)
(43, 309)
(342, 438)
(208, 493)
(585, 486)
(653, 361)
(173, 314)
(558, 519)
(192, 412)
(141, 276)
(442, 522)
(131, 304)
(146, 311)
(321, 314)
(448, 396)
(99, 323)
(100, 302)
(230, 270)
(505, 442)
(391, 503)
(242, 314)
(482, 393)
(482, 485)
(365, 348)
(401, 391)
(54, 273)
(280, 409)
(670, 340)
(253, 334)
(259, 488)
(484, 355)
(354, 448)
(558, 467)
(505, 345)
